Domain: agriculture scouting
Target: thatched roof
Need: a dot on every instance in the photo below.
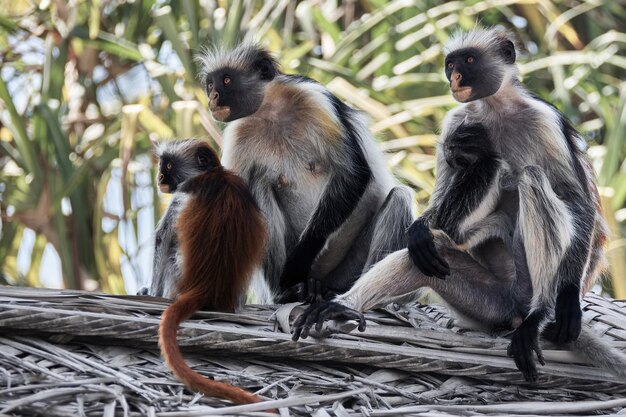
(69, 353)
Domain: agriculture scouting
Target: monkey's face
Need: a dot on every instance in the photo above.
(169, 176)
(476, 73)
(234, 93)
(184, 160)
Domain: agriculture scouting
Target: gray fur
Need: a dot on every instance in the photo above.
(288, 161)
(167, 259)
(540, 227)
(592, 348)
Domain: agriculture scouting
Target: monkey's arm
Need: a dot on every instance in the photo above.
(466, 192)
(342, 194)
(556, 230)
(165, 272)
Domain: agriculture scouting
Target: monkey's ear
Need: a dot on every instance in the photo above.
(266, 68)
(507, 49)
(206, 159)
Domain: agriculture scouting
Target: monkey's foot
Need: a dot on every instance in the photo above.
(568, 316)
(524, 342)
(320, 312)
(143, 291)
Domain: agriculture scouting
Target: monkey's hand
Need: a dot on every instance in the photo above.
(143, 291)
(568, 315)
(525, 342)
(467, 145)
(320, 312)
(422, 250)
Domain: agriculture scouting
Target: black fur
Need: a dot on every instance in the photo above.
(422, 250)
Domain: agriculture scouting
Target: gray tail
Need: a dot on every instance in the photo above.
(599, 353)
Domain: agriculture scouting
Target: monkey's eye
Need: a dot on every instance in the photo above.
(450, 65)
(226, 80)
(470, 59)
(210, 85)
(202, 160)
(169, 166)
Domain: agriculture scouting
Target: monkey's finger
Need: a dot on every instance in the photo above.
(521, 352)
(525, 363)
(568, 323)
(540, 357)
(345, 313)
(439, 263)
(326, 313)
(362, 322)
(299, 324)
(312, 319)
(420, 261)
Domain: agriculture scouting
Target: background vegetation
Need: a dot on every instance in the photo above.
(85, 84)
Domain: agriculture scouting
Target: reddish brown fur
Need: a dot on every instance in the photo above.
(221, 235)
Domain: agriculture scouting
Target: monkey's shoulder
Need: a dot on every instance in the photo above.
(298, 111)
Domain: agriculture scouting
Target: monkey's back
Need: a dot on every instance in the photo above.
(222, 235)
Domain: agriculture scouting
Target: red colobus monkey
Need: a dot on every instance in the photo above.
(331, 206)
(514, 235)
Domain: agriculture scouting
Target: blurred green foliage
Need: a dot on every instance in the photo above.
(85, 84)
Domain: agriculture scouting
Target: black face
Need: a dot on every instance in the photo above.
(170, 173)
(174, 168)
(234, 94)
(475, 73)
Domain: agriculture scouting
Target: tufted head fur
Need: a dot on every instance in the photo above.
(180, 160)
(235, 79)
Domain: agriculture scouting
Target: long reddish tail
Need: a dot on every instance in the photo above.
(180, 310)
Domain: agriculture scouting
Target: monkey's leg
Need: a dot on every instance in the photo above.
(470, 288)
(390, 225)
(261, 187)
(385, 234)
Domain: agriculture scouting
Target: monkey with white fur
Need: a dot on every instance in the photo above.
(506, 254)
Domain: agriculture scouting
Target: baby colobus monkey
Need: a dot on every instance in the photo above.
(331, 207)
(220, 235)
(174, 167)
(513, 236)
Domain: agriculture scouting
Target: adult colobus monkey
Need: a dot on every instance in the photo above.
(331, 207)
(518, 231)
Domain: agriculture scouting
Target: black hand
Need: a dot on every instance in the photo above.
(143, 291)
(423, 252)
(320, 312)
(568, 315)
(524, 342)
(467, 145)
